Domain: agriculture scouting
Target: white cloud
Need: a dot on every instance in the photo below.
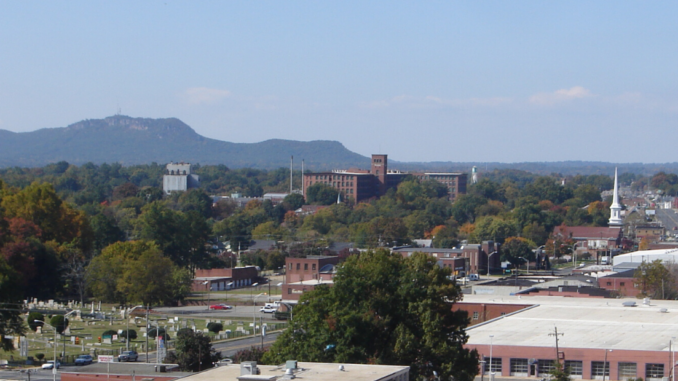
(205, 95)
(562, 95)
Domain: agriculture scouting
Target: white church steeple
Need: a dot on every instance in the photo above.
(615, 208)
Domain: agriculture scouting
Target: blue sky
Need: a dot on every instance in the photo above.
(422, 81)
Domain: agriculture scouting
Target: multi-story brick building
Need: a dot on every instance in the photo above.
(303, 274)
(301, 269)
(469, 259)
(361, 184)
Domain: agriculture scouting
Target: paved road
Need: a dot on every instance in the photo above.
(668, 218)
(229, 349)
(238, 312)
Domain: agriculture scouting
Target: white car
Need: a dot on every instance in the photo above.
(268, 310)
(50, 365)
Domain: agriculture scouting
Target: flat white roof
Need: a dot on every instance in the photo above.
(666, 255)
(307, 371)
(312, 282)
(584, 322)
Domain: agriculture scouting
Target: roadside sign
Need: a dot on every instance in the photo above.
(106, 358)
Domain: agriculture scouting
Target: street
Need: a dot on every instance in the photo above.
(668, 218)
(238, 312)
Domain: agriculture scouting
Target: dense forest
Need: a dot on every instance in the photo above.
(90, 230)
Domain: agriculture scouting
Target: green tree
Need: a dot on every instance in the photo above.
(383, 309)
(135, 271)
(11, 322)
(129, 334)
(105, 231)
(558, 373)
(321, 194)
(194, 351)
(655, 280)
(215, 327)
(293, 201)
(517, 248)
(59, 322)
(31, 320)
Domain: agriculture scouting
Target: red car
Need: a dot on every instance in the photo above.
(220, 307)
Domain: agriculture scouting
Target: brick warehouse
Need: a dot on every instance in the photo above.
(611, 339)
(362, 184)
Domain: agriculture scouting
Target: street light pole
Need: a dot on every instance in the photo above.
(208, 284)
(54, 368)
(254, 310)
(127, 333)
(488, 262)
(605, 363)
(528, 264)
(491, 376)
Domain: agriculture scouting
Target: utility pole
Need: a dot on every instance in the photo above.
(147, 307)
(556, 334)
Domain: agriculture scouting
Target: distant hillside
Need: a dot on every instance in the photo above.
(140, 140)
(132, 141)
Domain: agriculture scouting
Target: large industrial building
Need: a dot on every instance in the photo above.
(362, 184)
(178, 178)
(614, 339)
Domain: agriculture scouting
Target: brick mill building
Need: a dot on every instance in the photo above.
(362, 184)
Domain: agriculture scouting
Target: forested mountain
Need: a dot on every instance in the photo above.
(129, 141)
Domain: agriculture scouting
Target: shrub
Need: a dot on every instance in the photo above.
(109, 332)
(254, 353)
(131, 334)
(215, 327)
(59, 322)
(31, 320)
(153, 332)
(40, 356)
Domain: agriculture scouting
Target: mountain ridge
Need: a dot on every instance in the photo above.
(131, 141)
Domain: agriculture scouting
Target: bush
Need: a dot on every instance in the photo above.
(109, 332)
(153, 332)
(255, 353)
(215, 327)
(59, 322)
(40, 356)
(130, 335)
(31, 320)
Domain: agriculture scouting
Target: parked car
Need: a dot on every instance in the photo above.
(268, 310)
(128, 356)
(50, 365)
(220, 307)
(83, 360)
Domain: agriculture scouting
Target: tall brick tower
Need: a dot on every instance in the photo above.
(379, 170)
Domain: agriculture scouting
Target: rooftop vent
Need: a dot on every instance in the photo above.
(664, 310)
(248, 368)
(289, 374)
(629, 304)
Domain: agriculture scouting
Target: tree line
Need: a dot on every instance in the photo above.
(96, 230)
